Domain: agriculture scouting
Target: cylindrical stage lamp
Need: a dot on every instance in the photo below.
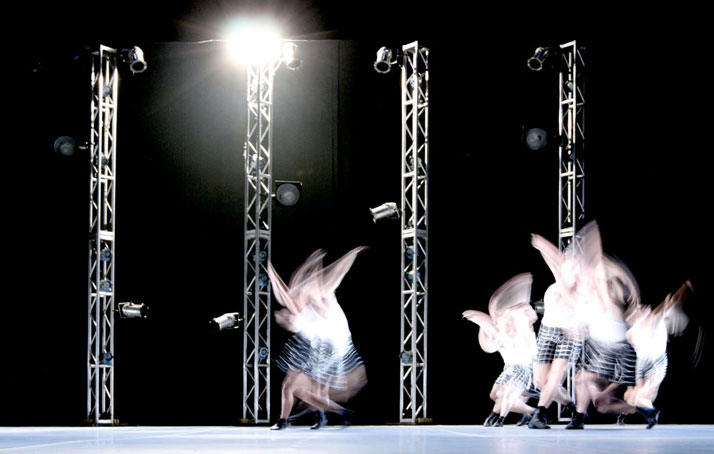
(536, 62)
(386, 57)
(387, 210)
(230, 320)
(133, 310)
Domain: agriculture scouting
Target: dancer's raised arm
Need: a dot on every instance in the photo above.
(308, 269)
(488, 332)
(552, 256)
(672, 310)
(281, 291)
(333, 274)
(514, 291)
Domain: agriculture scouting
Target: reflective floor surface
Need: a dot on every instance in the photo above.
(609, 439)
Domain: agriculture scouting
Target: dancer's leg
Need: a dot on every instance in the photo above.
(540, 374)
(606, 401)
(556, 374)
(288, 393)
(646, 393)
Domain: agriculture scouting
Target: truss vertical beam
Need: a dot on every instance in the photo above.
(571, 182)
(414, 234)
(102, 218)
(257, 251)
(571, 123)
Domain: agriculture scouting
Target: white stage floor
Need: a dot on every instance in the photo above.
(606, 439)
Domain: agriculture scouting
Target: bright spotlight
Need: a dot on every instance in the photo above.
(536, 62)
(386, 57)
(133, 310)
(387, 210)
(254, 43)
(230, 320)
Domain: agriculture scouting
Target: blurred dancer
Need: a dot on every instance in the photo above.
(320, 355)
(648, 334)
(608, 366)
(560, 334)
(508, 329)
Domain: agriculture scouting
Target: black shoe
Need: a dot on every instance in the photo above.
(621, 419)
(341, 419)
(292, 419)
(499, 421)
(280, 424)
(321, 420)
(539, 421)
(525, 419)
(655, 419)
(571, 407)
(491, 419)
(577, 421)
(345, 423)
(651, 415)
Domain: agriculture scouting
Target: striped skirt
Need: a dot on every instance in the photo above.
(319, 359)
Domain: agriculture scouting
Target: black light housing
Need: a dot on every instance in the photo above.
(536, 138)
(67, 146)
(287, 193)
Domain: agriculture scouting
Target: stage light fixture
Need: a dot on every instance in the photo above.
(405, 357)
(106, 285)
(263, 352)
(65, 146)
(290, 56)
(253, 162)
(135, 58)
(263, 279)
(387, 210)
(536, 62)
(536, 138)
(410, 276)
(261, 256)
(386, 57)
(230, 320)
(287, 193)
(106, 255)
(539, 306)
(133, 310)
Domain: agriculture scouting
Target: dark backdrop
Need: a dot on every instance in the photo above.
(337, 129)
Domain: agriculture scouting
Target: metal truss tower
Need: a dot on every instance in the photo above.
(257, 252)
(414, 234)
(571, 175)
(571, 123)
(102, 218)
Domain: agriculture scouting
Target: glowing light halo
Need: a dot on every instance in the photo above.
(253, 42)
